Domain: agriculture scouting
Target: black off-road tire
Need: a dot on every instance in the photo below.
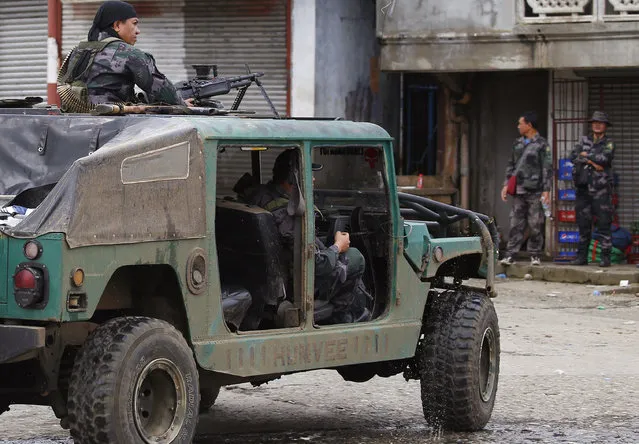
(208, 396)
(134, 380)
(459, 361)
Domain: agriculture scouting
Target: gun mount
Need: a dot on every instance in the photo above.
(204, 86)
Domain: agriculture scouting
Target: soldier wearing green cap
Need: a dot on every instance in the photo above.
(592, 176)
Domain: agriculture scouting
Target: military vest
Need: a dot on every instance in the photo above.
(529, 163)
(585, 175)
(72, 87)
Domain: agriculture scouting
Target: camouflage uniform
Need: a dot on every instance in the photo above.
(338, 276)
(534, 176)
(593, 191)
(118, 68)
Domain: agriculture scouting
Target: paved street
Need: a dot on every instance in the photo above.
(569, 374)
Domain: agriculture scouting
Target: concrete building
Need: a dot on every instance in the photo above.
(489, 61)
(448, 79)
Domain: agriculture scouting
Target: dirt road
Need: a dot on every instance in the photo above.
(569, 374)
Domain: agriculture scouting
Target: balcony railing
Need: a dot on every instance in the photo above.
(572, 11)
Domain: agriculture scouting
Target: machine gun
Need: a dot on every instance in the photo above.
(204, 86)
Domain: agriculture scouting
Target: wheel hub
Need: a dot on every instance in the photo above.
(487, 365)
(159, 402)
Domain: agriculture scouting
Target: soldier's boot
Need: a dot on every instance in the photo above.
(582, 259)
(605, 259)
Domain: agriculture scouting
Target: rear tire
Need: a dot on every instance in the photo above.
(134, 381)
(459, 361)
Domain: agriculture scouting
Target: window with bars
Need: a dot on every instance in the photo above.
(554, 11)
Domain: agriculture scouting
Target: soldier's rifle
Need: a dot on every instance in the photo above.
(205, 86)
(110, 109)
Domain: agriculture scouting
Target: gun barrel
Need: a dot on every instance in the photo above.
(203, 89)
(251, 76)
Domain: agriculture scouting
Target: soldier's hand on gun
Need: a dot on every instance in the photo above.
(504, 193)
(189, 102)
(343, 241)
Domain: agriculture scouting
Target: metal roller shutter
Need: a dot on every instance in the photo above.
(23, 48)
(228, 33)
(619, 97)
(161, 31)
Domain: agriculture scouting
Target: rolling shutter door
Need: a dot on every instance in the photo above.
(23, 48)
(230, 33)
(161, 31)
(619, 98)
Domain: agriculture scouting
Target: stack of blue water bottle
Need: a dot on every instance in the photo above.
(567, 230)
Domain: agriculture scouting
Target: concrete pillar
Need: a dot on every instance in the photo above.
(302, 87)
(54, 49)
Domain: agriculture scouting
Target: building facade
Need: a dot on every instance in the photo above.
(495, 59)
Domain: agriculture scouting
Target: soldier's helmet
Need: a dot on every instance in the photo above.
(600, 116)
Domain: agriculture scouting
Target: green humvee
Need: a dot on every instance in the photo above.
(136, 283)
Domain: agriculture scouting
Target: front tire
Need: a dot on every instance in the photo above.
(459, 361)
(134, 381)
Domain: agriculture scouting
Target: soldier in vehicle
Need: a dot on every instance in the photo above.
(106, 68)
(338, 268)
(592, 163)
(530, 170)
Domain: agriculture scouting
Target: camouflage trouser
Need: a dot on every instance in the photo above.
(596, 203)
(526, 212)
(344, 287)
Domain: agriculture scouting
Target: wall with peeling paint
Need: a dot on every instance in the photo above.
(422, 17)
(497, 103)
(489, 35)
(346, 75)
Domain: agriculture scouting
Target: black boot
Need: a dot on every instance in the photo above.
(605, 259)
(581, 259)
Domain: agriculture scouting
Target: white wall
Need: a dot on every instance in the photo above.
(424, 17)
(302, 88)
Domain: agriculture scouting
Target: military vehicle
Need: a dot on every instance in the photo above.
(136, 284)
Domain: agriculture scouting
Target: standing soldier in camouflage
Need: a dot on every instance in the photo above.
(530, 163)
(592, 163)
(106, 68)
